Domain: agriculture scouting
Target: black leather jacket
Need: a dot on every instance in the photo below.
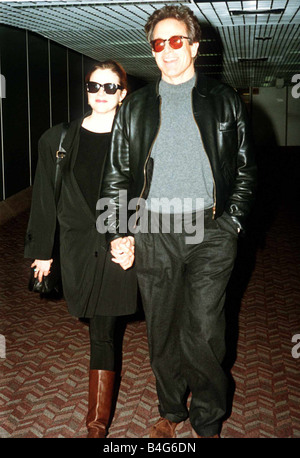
(225, 130)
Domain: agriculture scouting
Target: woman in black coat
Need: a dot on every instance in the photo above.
(94, 286)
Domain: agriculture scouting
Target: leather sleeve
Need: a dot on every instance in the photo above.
(116, 181)
(242, 197)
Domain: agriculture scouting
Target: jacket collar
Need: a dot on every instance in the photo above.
(201, 85)
(73, 130)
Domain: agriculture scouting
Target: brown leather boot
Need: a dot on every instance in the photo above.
(101, 389)
(196, 436)
(164, 428)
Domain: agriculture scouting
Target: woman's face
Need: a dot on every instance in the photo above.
(101, 102)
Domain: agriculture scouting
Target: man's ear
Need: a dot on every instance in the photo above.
(195, 47)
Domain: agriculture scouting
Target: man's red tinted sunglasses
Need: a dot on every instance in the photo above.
(176, 42)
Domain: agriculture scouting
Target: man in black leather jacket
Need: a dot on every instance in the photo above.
(182, 151)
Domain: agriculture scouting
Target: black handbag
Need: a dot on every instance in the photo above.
(51, 284)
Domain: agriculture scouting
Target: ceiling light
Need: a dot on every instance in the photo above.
(209, 54)
(252, 60)
(263, 38)
(246, 12)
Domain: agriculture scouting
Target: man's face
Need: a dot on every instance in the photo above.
(176, 65)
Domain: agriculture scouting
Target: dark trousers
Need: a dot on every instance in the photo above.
(102, 342)
(183, 293)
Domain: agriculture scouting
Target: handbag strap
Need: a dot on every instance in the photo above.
(60, 154)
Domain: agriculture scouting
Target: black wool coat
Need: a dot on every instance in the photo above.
(92, 283)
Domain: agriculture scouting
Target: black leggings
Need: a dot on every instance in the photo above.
(102, 340)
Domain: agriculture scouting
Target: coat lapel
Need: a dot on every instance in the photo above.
(205, 117)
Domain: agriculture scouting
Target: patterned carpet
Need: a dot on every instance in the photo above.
(44, 373)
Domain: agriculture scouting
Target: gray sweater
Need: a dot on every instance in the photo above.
(181, 167)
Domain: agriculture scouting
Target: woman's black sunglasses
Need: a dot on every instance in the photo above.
(109, 88)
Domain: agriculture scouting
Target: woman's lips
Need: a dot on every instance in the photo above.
(101, 101)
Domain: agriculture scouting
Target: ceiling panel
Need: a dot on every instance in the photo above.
(249, 49)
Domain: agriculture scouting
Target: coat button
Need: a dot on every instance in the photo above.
(96, 254)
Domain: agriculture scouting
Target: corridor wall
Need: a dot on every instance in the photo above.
(44, 85)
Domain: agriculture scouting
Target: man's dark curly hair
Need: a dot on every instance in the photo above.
(181, 13)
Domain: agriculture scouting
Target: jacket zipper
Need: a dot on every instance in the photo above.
(212, 174)
(146, 161)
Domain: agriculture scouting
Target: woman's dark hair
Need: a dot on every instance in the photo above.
(181, 13)
(110, 65)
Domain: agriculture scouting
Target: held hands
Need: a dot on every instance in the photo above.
(122, 250)
(41, 268)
